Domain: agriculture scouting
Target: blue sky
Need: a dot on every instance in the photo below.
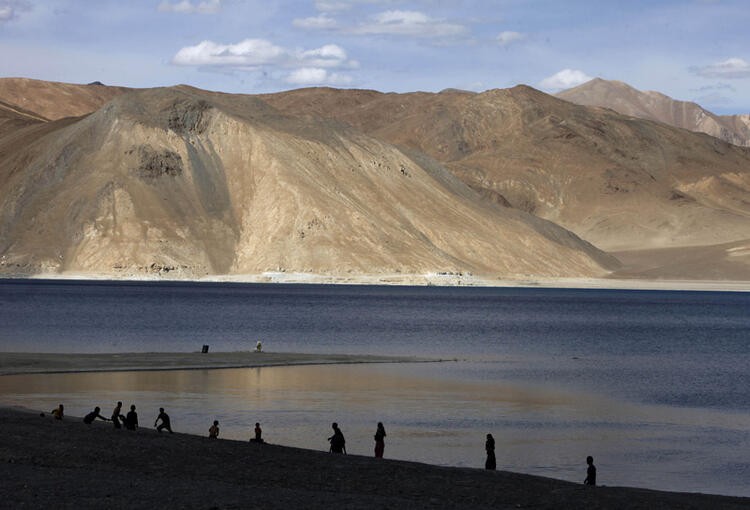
(696, 50)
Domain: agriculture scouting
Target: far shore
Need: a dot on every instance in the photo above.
(16, 363)
(47, 463)
(447, 279)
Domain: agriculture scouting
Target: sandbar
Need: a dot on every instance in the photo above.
(13, 363)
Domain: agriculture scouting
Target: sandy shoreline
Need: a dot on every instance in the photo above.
(14, 363)
(427, 279)
(48, 463)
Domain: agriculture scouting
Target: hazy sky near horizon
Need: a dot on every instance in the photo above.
(697, 50)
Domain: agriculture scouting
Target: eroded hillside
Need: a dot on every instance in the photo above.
(194, 183)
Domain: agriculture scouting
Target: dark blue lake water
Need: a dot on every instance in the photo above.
(655, 384)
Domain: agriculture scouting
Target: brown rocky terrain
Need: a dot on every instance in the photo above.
(508, 183)
(54, 100)
(66, 464)
(618, 182)
(652, 105)
(193, 183)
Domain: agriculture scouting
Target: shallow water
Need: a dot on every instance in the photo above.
(654, 385)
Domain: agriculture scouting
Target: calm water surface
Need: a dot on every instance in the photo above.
(654, 385)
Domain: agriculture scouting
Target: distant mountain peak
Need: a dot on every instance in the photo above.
(656, 106)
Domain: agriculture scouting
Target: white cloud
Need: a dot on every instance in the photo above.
(317, 76)
(731, 68)
(321, 22)
(310, 67)
(189, 7)
(507, 38)
(329, 55)
(564, 79)
(410, 23)
(247, 53)
(9, 9)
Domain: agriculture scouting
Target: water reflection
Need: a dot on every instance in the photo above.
(430, 416)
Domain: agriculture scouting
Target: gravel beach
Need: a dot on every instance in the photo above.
(67, 464)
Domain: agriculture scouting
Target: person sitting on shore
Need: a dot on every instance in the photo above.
(117, 416)
(89, 418)
(58, 412)
(379, 441)
(131, 420)
(489, 447)
(338, 443)
(258, 434)
(213, 431)
(164, 417)
(259, 347)
(590, 471)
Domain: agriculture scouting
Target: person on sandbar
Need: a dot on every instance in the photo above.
(258, 434)
(165, 424)
(379, 441)
(58, 412)
(117, 417)
(590, 471)
(131, 419)
(338, 443)
(89, 418)
(213, 432)
(489, 447)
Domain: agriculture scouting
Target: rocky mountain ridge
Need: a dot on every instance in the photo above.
(508, 183)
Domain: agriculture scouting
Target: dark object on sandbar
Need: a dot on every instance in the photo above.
(489, 447)
(590, 471)
(338, 443)
(204, 350)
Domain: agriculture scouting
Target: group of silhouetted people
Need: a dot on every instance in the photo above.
(337, 440)
(129, 421)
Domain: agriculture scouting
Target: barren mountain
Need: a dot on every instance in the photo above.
(355, 182)
(619, 182)
(193, 183)
(651, 105)
(49, 100)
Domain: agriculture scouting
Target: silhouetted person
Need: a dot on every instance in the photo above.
(338, 443)
(590, 471)
(258, 434)
(117, 416)
(58, 412)
(213, 432)
(89, 418)
(489, 447)
(131, 419)
(164, 417)
(379, 441)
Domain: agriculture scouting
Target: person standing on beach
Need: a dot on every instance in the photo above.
(131, 420)
(590, 471)
(117, 415)
(338, 443)
(89, 418)
(258, 434)
(489, 447)
(213, 432)
(379, 441)
(59, 412)
(164, 417)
